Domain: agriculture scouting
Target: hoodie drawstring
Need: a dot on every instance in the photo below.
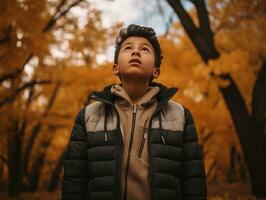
(160, 128)
(105, 123)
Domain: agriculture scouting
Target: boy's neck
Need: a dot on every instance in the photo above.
(135, 90)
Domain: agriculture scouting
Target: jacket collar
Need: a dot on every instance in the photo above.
(124, 100)
(106, 96)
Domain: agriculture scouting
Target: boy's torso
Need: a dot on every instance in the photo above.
(134, 124)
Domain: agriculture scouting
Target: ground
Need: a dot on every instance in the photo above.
(235, 191)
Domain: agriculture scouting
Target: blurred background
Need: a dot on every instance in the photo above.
(53, 53)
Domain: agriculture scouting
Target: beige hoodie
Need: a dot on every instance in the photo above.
(134, 125)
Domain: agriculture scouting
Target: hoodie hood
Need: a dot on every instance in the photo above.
(124, 100)
(107, 96)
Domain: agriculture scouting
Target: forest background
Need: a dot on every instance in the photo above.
(214, 52)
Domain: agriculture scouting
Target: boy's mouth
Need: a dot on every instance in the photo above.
(135, 61)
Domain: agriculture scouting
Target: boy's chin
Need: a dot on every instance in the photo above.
(136, 76)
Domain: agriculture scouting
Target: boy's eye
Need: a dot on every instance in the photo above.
(128, 48)
(145, 49)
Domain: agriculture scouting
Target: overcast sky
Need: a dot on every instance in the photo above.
(142, 12)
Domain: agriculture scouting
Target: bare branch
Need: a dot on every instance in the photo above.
(59, 115)
(11, 74)
(16, 71)
(203, 17)
(207, 136)
(30, 97)
(204, 43)
(55, 176)
(32, 83)
(160, 9)
(6, 38)
(52, 98)
(12, 97)
(211, 168)
(60, 5)
(168, 26)
(184, 17)
(59, 14)
(3, 159)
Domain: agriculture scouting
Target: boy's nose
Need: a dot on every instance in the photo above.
(135, 53)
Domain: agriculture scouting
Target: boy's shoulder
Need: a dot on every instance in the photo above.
(173, 107)
(184, 112)
(94, 108)
(174, 114)
(176, 105)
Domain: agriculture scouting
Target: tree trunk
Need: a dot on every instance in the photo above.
(231, 174)
(1, 177)
(14, 155)
(35, 172)
(251, 136)
(34, 176)
(259, 120)
(55, 177)
(259, 98)
(250, 129)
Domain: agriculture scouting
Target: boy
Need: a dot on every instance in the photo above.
(134, 142)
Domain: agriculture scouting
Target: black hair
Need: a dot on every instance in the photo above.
(141, 31)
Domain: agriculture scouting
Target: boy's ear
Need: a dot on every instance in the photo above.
(156, 72)
(115, 69)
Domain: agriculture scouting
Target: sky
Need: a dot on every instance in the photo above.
(127, 11)
(142, 12)
(132, 11)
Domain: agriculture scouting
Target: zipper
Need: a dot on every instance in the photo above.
(142, 144)
(130, 147)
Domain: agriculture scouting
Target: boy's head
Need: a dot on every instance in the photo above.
(137, 52)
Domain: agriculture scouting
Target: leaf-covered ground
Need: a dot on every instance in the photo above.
(236, 191)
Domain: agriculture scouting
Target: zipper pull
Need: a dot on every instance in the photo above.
(163, 139)
(105, 137)
(135, 109)
(145, 135)
(142, 144)
(122, 130)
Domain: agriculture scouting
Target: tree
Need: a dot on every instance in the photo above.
(249, 127)
(33, 78)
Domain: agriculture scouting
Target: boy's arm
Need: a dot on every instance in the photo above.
(75, 179)
(193, 177)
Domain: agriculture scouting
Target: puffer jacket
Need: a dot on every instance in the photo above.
(92, 167)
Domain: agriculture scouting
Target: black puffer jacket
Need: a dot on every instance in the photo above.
(93, 164)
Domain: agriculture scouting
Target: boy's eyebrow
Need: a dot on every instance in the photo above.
(145, 43)
(126, 44)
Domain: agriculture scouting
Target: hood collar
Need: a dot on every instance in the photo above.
(106, 95)
(124, 99)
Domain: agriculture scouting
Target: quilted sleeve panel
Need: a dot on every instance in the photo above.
(75, 179)
(193, 177)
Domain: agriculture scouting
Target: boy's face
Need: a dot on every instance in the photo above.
(136, 60)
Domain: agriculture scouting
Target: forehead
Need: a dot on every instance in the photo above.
(137, 40)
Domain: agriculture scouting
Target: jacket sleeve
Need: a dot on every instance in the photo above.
(75, 178)
(193, 177)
